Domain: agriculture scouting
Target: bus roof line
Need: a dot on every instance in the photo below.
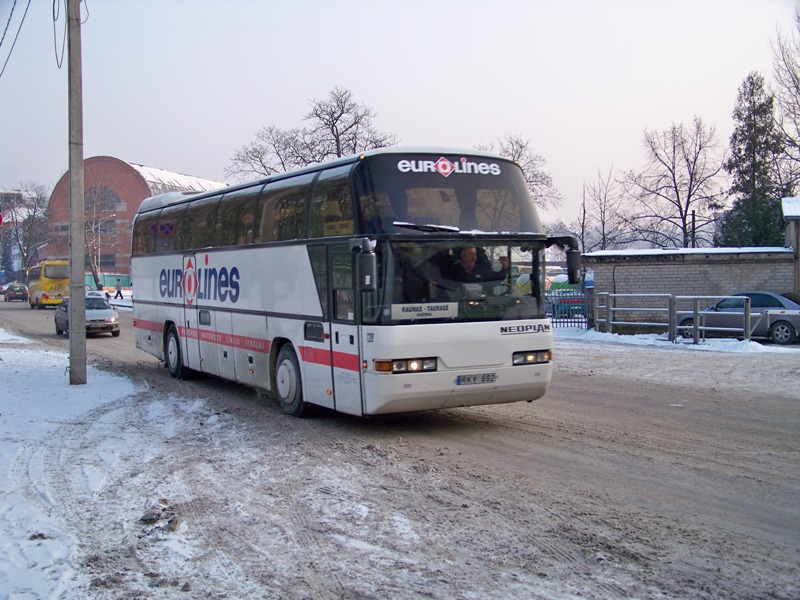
(170, 198)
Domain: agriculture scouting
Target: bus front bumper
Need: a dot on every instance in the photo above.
(410, 392)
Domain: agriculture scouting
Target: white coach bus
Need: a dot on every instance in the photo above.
(339, 285)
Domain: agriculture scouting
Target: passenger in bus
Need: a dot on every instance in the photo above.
(471, 264)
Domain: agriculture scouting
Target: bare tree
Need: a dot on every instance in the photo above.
(786, 91)
(673, 200)
(338, 127)
(103, 236)
(25, 216)
(601, 221)
(538, 180)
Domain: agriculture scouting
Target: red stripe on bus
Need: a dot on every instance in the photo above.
(226, 339)
(148, 325)
(345, 361)
(319, 356)
(223, 339)
(341, 360)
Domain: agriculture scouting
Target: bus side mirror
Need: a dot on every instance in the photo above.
(366, 265)
(573, 265)
(367, 272)
(570, 245)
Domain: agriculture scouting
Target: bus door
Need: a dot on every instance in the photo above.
(189, 330)
(345, 336)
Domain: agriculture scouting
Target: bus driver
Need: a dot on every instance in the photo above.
(470, 265)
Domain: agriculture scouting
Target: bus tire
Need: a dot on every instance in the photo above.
(289, 384)
(173, 357)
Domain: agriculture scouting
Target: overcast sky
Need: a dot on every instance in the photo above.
(180, 84)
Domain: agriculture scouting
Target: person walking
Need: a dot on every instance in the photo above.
(119, 289)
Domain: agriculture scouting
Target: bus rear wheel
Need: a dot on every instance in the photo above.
(288, 383)
(173, 357)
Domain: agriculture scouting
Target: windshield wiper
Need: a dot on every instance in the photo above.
(427, 227)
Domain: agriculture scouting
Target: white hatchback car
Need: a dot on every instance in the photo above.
(100, 316)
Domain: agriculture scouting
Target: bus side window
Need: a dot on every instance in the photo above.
(199, 223)
(332, 205)
(167, 234)
(236, 218)
(283, 210)
(144, 233)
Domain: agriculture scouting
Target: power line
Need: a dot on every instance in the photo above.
(59, 59)
(15, 38)
(10, 16)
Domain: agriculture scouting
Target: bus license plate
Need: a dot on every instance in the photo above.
(474, 379)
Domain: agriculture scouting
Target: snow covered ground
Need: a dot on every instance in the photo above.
(37, 553)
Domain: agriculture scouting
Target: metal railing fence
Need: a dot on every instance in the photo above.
(609, 310)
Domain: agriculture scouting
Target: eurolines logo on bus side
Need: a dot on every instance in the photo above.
(200, 283)
(446, 167)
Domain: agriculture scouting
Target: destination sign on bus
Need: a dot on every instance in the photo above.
(441, 310)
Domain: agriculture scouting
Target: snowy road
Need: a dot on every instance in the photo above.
(645, 472)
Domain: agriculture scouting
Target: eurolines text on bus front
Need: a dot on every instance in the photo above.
(446, 167)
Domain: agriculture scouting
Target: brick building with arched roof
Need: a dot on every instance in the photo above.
(113, 191)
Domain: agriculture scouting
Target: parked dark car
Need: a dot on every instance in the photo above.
(15, 291)
(728, 313)
(100, 317)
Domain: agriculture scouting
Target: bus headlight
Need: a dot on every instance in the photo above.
(406, 365)
(532, 357)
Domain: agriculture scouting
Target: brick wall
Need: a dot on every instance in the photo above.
(689, 272)
(131, 189)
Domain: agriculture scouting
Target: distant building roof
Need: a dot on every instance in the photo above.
(161, 181)
(791, 209)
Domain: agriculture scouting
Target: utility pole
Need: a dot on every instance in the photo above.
(77, 237)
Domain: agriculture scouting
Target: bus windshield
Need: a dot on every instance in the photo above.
(435, 281)
(408, 193)
(56, 271)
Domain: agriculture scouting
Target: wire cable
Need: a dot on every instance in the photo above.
(56, 13)
(5, 64)
(10, 16)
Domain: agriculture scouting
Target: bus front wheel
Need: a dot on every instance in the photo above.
(173, 358)
(289, 384)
